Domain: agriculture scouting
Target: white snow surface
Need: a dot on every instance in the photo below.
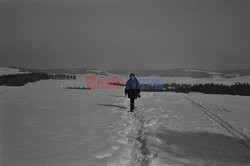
(208, 72)
(43, 123)
(214, 79)
(8, 71)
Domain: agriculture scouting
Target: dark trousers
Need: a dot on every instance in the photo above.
(132, 102)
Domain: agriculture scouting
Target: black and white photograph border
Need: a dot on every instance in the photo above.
(124, 82)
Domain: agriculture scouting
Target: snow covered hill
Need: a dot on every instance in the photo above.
(45, 124)
(9, 70)
(185, 76)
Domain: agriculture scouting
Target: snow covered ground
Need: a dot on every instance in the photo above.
(45, 124)
(214, 79)
(8, 70)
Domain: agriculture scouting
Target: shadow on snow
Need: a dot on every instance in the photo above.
(113, 105)
(211, 148)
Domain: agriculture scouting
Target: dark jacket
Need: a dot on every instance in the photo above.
(132, 88)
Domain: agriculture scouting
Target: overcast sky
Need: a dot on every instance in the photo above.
(150, 34)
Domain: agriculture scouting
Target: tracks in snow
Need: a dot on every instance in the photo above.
(141, 155)
(230, 129)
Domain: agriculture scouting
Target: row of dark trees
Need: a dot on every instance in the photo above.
(22, 79)
(116, 84)
(78, 87)
(209, 88)
(62, 76)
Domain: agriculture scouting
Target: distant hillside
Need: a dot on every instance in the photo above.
(193, 73)
(56, 71)
(165, 73)
(9, 70)
(240, 72)
(180, 72)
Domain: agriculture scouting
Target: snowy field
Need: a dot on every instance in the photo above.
(8, 70)
(44, 124)
(214, 79)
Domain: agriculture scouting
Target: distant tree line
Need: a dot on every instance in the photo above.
(242, 89)
(62, 76)
(208, 88)
(22, 79)
(78, 87)
(116, 84)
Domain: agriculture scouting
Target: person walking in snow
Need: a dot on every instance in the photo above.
(132, 89)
